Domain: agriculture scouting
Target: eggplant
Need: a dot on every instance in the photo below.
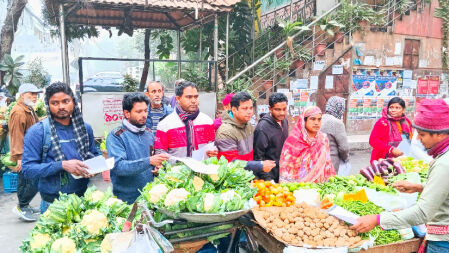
(375, 167)
(387, 164)
(390, 160)
(375, 164)
(383, 170)
(398, 167)
(367, 174)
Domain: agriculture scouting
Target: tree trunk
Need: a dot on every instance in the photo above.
(146, 66)
(13, 15)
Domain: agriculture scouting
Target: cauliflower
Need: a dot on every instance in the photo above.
(228, 195)
(97, 196)
(119, 221)
(113, 201)
(63, 245)
(65, 230)
(106, 246)
(209, 200)
(198, 183)
(39, 241)
(157, 192)
(175, 196)
(94, 222)
(214, 177)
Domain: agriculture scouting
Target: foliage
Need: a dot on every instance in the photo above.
(37, 74)
(303, 54)
(167, 71)
(329, 25)
(194, 73)
(351, 14)
(129, 84)
(165, 43)
(13, 76)
(404, 6)
(443, 13)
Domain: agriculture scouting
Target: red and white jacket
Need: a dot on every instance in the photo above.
(171, 135)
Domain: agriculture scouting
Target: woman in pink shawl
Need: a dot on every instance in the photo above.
(305, 156)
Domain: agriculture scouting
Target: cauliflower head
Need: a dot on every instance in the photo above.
(97, 196)
(157, 192)
(175, 196)
(228, 195)
(94, 222)
(39, 240)
(63, 245)
(113, 201)
(105, 245)
(209, 199)
(198, 183)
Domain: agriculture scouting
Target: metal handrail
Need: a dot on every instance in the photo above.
(347, 33)
(280, 46)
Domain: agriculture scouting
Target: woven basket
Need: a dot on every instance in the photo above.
(189, 247)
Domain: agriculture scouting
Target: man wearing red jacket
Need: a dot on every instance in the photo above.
(235, 137)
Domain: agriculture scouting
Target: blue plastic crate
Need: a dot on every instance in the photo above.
(10, 182)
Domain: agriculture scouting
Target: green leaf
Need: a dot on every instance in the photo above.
(8, 59)
(19, 58)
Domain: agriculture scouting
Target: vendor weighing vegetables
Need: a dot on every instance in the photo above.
(432, 208)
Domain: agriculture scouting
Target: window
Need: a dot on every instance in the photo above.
(411, 54)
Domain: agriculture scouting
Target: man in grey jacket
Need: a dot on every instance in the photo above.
(333, 127)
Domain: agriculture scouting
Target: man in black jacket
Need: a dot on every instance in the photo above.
(271, 133)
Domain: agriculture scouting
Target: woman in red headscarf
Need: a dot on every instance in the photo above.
(305, 156)
(390, 130)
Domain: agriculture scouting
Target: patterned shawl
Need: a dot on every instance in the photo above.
(398, 126)
(335, 106)
(188, 118)
(305, 159)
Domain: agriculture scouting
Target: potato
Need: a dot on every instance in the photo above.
(292, 230)
(278, 233)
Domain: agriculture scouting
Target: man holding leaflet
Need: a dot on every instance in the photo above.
(57, 146)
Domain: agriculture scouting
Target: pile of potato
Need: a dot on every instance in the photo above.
(301, 225)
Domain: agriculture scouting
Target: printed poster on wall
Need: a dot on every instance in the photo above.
(376, 82)
(434, 84)
(422, 86)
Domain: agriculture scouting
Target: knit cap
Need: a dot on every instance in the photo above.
(227, 99)
(432, 115)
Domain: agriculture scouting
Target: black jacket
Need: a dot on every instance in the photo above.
(269, 139)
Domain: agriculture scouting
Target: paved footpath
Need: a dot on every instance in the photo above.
(13, 231)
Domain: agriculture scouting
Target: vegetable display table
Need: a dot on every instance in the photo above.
(398, 247)
(270, 244)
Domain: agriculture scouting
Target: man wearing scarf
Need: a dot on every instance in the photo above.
(131, 145)
(186, 129)
(432, 208)
(55, 147)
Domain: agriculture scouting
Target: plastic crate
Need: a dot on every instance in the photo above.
(10, 182)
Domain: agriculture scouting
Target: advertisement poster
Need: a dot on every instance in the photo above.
(376, 82)
(422, 86)
(386, 86)
(434, 84)
(367, 107)
(352, 108)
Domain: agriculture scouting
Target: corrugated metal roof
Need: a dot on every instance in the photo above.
(166, 14)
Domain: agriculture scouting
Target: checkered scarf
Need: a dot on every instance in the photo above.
(79, 129)
(335, 106)
(188, 118)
